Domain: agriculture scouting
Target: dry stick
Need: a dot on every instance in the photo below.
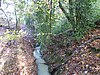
(89, 41)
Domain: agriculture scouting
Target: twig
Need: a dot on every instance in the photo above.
(66, 31)
(89, 41)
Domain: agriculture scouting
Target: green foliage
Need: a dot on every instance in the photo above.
(84, 17)
(36, 15)
(61, 27)
(11, 35)
(95, 10)
(93, 49)
(29, 22)
(82, 12)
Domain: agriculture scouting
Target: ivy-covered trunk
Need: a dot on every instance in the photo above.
(72, 13)
(79, 9)
(82, 8)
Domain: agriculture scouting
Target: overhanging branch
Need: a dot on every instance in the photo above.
(65, 13)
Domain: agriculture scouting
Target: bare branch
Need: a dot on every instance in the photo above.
(65, 13)
(6, 16)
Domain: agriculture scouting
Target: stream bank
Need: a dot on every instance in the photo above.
(16, 56)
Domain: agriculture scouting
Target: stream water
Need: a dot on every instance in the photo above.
(41, 64)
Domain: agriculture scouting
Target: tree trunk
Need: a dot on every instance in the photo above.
(80, 12)
(0, 3)
(72, 12)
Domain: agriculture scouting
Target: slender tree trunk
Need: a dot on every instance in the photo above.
(72, 13)
(65, 13)
(0, 3)
(81, 11)
(77, 12)
(50, 15)
(16, 19)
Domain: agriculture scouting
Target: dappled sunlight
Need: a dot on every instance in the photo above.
(49, 37)
(2, 61)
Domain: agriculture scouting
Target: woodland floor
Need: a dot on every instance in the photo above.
(16, 56)
(81, 58)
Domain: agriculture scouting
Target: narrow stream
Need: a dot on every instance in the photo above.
(42, 67)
